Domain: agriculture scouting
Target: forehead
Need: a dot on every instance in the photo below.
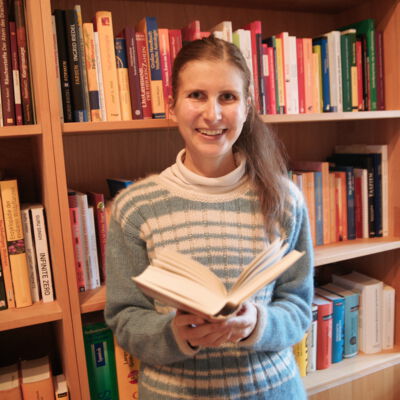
(211, 73)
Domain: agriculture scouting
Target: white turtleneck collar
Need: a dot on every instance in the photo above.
(188, 180)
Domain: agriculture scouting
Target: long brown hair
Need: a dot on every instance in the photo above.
(265, 162)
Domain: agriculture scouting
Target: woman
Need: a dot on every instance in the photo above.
(224, 200)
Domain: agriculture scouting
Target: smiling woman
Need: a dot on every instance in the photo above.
(222, 203)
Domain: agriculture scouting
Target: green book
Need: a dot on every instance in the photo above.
(367, 28)
(100, 361)
(346, 57)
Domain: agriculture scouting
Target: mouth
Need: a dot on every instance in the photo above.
(211, 132)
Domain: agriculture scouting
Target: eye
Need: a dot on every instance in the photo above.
(196, 95)
(228, 97)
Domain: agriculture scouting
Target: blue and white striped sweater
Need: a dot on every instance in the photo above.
(225, 232)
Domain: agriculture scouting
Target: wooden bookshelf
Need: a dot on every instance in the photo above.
(21, 130)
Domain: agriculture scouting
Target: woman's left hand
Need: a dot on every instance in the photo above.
(242, 323)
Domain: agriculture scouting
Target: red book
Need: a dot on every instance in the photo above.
(77, 240)
(98, 202)
(300, 75)
(175, 43)
(133, 72)
(324, 332)
(358, 205)
(191, 31)
(15, 73)
(143, 64)
(360, 80)
(255, 28)
(166, 70)
(271, 87)
(380, 73)
(26, 90)
(6, 81)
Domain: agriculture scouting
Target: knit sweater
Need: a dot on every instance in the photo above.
(222, 229)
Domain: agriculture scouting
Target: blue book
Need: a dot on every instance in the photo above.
(326, 93)
(319, 223)
(115, 185)
(337, 323)
(351, 316)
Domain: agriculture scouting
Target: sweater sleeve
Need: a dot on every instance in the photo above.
(138, 327)
(284, 320)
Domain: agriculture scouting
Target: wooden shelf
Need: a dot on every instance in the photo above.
(353, 248)
(20, 130)
(93, 300)
(349, 370)
(38, 313)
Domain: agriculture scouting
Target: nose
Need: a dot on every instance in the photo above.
(212, 110)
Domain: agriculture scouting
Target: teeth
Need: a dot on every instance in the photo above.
(211, 132)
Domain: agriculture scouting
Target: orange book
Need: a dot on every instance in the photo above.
(127, 373)
(104, 28)
(10, 388)
(308, 74)
(166, 67)
(15, 242)
(341, 205)
(332, 212)
(36, 379)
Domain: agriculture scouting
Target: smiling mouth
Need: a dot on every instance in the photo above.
(211, 132)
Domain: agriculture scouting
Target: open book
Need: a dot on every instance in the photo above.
(179, 281)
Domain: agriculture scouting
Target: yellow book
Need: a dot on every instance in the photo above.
(109, 69)
(300, 354)
(280, 74)
(15, 242)
(316, 68)
(91, 71)
(127, 373)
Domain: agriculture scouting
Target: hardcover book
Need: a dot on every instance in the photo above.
(10, 388)
(182, 282)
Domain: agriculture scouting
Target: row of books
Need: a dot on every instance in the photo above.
(113, 373)
(25, 264)
(32, 380)
(354, 312)
(347, 195)
(16, 99)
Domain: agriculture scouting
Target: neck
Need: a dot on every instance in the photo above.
(210, 168)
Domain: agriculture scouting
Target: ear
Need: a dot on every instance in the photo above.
(171, 109)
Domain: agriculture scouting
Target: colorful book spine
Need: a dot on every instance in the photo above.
(300, 75)
(148, 26)
(133, 72)
(380, 72)
(175, 43)
(102, 100)
(15, 74)
(24, 66)
(91, 71)
(123, 79)
(312, 341)
(6, 82)
(104, 27)
(326, 95)
(308, 76)
(15, 242)
(100, 361)
(191, 31)
(300, 354)
(166, 67)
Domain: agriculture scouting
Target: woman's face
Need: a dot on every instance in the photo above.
(210, 109)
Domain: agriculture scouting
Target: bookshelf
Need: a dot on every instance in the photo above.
(49, 156)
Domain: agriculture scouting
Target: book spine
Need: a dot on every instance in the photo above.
(6, 83)
(308, 77)
(100, 361)
(123, 79)
(346, 74)
(15, 243)
(98, 202)
(312, 341)
(360, 81)
(281, 89)
(324, 339)
(300, 354)
(102, 100)
(65, 83)
(380, 72)
(175, 43)
(104, 28)
(15, 74)
(148, 26)
(388, 317)
(319, 221)
(351, 316)
(337, 330)
(5, 262)
(133, 72)
(143, 64)
(77, 241)
(317, 79)
(358, 204)
(94, 272)
(42, 253)
(91, 71)
(265, 76)
(300, 75)
(292, 87)
(24, 65)
(30, 254)
(166, 68)
(377, 163)
(272, 109)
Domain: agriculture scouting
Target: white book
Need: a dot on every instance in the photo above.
(335, 70)
(226, 28)
(382, 149)
(94, 271)
(370, 313)
(363, 174)
(99, 70)
(61, 387)
(388, 317)
(312, 341)
(9, 382)
(42, 252)
(292, 85)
